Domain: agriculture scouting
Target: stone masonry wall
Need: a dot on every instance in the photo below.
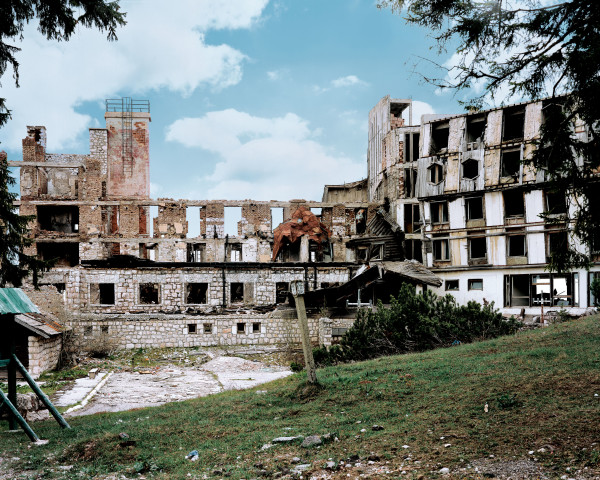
(43, 354)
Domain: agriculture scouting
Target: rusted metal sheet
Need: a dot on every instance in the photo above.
(303, 222)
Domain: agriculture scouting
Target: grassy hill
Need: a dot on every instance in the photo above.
(541, 388)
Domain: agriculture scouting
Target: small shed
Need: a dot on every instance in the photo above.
(38, 336)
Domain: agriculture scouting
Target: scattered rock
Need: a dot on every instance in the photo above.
(266, 446)
(330, 465)
(285, 439)
(312, 441)
(376, 428)
(444, 471)
(301, 468)
(296, 460)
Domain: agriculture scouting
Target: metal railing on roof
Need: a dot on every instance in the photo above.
(127, 104)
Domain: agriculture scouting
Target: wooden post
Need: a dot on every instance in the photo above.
(297, 288)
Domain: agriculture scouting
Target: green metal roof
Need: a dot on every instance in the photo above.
(13, 300)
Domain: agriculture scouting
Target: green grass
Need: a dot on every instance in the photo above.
(539, 387)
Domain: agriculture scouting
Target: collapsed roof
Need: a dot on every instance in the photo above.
(303, 222)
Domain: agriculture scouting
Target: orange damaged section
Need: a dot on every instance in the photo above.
(303, 222)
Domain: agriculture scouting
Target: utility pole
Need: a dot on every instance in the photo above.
(297, 288)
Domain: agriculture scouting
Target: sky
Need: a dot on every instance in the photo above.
(249, 99)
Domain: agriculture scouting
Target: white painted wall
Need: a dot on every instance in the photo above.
(494, 212)
(456, 212)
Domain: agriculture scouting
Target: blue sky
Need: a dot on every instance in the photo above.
(262, 99)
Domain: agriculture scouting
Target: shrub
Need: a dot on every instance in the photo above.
(416, 322)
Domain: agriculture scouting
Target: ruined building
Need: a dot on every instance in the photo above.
(453, 195)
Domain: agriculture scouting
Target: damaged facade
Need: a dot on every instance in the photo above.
(452, 194)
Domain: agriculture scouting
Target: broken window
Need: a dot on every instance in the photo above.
(475, 284)
(441, 250)
(196, 293)
(451, 285)
(241, 328)
(195, 252)
(412, 218)
(235, 252)
(513, 123)
(439, 212)
(54, 218)
(440, 132)
(413, 250)
(207, 327)
(65, 254)
(544, 289)
(475, 131)
(104, 329)
(256, 327)
(470, 169)
(411, 146)
(511, 163)
(102, 293)
(514, 205)
(360, 216)
(361, 253)
(474, 208)
(556, 203)
(556, 242)
(236, 292)
(149, 293)
(192, 328)
(477, 248)
(516, 290)
(376, 251)
(410, 182)
(540, 294)
(435, 173)
(281, 291)
(516, 245)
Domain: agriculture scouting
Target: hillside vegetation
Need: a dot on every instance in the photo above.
(541, 389)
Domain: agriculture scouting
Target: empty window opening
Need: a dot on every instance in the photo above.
(518, 290)
(470, 169)
(207, 328)
(557, 242)
(103, 187)
(475, 129)
(235, 252)
(545, 289)
(60, 287)
(191, 328)
(152, 214)
(317, 211)
(441, 251)
(144, 220)
(281, 291)
(102, 293)
(511, 163)
(276, 217)
(195, 252)
(109, 215)
(360, 218)
(237, 292)
(192, 217)
(410, 181)
(514, 204)
(148, 251)
(149, 293)
(475, 284)
(256, 327)
(440, 133)
(413, 250)
(477, 248)
(540, 294)
(88, 330)
(513, 123)
(474, 207)
(362, 253)
(516, 245)
(411, 147)
(439, 212)
(63, 219)
(435, 173)
(196, 293)
(65, 254)
(451, 285)
(233, 221)
(555, 203)
(104, 329)
(412, 218)
(241, 328)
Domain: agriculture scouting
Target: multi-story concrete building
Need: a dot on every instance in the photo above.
(453, 194)
(469, 201)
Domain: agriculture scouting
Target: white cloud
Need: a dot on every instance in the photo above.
(262, 158)
(275, 75)
(160, 47)
(418, 109)
(347, 81)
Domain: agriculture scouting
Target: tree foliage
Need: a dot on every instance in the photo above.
(57, 21)
(528, 50)
(416, 322)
